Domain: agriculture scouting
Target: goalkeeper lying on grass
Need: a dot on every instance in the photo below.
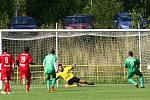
(69, 77)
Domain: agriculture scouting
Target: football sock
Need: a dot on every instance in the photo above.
(142, 81)
(28, 85)
(48, 83)
(53, 82)
(7, 87)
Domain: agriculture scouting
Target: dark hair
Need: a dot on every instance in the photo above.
(52, 51)
(4, 49)
(59, 64)
(26, 49)
(130, 53)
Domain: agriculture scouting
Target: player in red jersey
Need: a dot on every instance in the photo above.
(7, 66)
(23, 60)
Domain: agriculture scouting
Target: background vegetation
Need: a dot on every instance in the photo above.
(48, 12)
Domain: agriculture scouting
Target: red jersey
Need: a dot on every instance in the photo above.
(6, 60)
(24, 59)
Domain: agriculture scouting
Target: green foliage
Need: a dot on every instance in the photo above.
(48, 12)
(135, 18)
(6, 12)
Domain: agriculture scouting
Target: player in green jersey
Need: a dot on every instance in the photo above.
(50, 68)
(133, 64)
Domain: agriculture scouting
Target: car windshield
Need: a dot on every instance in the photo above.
(126, 19)
(23, 21)
(74, 20)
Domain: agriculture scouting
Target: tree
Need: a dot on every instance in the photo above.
(6, 12)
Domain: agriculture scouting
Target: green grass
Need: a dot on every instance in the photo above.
(101, 92)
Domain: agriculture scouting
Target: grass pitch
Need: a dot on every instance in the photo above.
(101, 92)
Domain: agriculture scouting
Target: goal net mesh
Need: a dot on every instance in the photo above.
(98, 54)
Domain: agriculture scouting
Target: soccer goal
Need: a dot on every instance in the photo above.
(99, 53)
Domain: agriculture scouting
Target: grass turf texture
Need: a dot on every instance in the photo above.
(101, 92)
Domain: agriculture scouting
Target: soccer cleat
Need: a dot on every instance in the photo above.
(53, 89)
(2, 92)
(137, 86)
(91, 83)
(143, 87)
(9, 93)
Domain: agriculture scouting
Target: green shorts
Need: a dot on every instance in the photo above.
(136, 72)
(50, 74)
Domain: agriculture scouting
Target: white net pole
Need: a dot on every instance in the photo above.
(140, 50)
(0, 53)
(56, 52)
(140, 55)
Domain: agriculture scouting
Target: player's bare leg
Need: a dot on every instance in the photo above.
(23, 80)
(6, 88)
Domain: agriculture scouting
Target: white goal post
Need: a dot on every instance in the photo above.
(99, 52)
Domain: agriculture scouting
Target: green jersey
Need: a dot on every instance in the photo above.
(132, 64)
(49, 63)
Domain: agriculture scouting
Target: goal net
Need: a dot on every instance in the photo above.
(99, 54)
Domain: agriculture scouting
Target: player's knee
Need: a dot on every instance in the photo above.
(141, 75)
(47, 78)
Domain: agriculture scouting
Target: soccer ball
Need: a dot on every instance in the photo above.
(148, 67)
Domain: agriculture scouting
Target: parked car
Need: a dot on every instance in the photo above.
(23, 22)
(90, 18)
(124, 20)
(76, 22)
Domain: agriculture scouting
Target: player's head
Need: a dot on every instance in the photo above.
(4, 49)
(130, 53)
(26, 49)
(52, 51)
(60, 68)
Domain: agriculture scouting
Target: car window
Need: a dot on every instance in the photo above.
(126, 19)
(74, 20)
(24, 21)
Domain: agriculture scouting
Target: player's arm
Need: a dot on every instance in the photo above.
(30, 59)
(58, 75)
(125, 64)
(71, 67)
(17, 60)
(44, 61)
(138, 63)
(13, 64)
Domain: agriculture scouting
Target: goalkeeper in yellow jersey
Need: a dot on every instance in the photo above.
(69, 77)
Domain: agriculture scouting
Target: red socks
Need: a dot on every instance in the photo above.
(7, 87)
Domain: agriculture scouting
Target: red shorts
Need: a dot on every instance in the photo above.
(25, 73)
(6, 74)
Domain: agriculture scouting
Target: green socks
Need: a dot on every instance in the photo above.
(48, 83)
(53, 82)
(142, 81)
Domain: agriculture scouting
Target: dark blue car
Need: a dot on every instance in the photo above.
(123, 20)
(23, 23)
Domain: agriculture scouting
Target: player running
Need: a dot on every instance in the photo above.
(23, 60)
(133, 64)
(7, 66)
(69, 77)
(50, 68)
